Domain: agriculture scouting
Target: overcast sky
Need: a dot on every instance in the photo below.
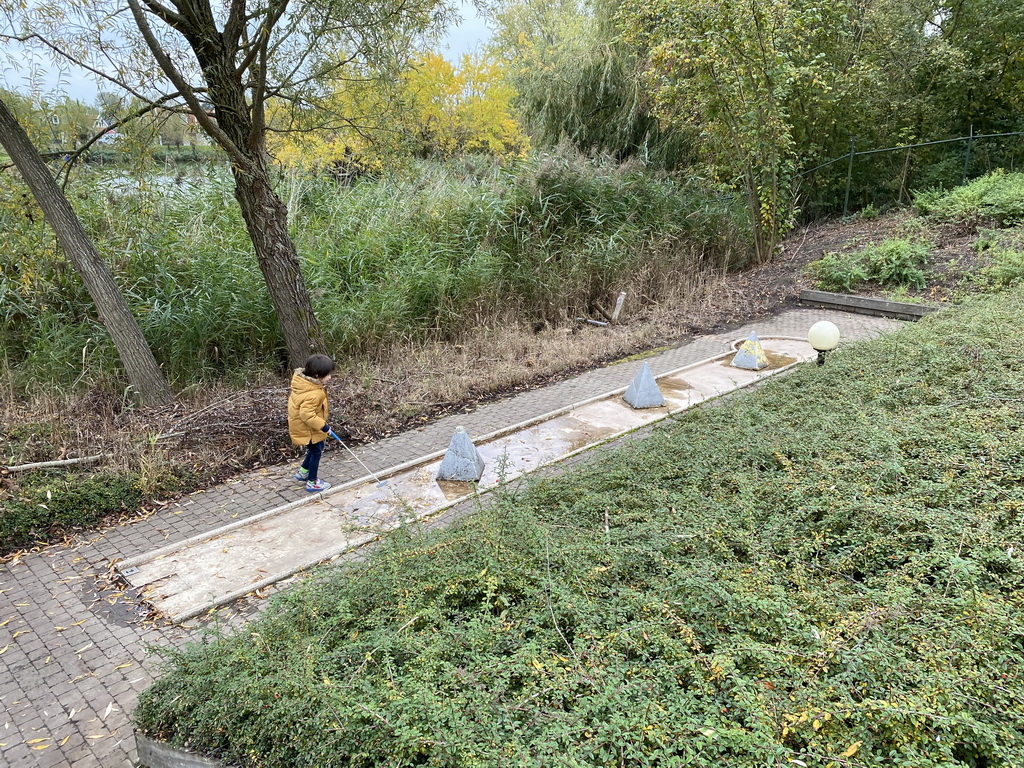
(466, 37)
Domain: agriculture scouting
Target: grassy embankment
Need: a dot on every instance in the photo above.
(991, 207)
(827, 571)
(411, 257)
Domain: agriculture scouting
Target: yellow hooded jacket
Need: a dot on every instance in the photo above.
(307, 410)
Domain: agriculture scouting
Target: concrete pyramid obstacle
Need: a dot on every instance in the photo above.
(644, 392)
(751, 355)
(462, 461)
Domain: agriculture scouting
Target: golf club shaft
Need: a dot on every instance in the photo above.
(353, 454)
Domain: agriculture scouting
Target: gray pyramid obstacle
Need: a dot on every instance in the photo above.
(462, 461)
(644, 392)
(751, 355)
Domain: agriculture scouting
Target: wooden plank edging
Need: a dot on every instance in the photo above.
(867, 305)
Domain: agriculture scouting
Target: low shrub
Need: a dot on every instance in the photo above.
(996, 199)
(826, 570)
(868, 212)
(897, 262)
(838, 271)
(39, 505)
(1005, 267)
(45, 505)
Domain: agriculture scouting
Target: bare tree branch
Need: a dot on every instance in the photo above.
(235, 25)
(165, 13)
(66, 55)
(259, 88)
(273, 17)
(187, 92)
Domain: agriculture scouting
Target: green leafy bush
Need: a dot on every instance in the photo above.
(996, 199)
(1005, 267)
(838, 271)
(892, 262)
(826, 570)
(868, 212)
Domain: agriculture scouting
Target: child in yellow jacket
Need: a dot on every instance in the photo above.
(307, 417)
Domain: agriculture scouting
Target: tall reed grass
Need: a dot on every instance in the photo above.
(422, 254)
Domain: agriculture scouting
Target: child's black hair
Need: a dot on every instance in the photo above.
(318, 366)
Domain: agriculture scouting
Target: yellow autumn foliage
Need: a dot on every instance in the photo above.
(435, 110)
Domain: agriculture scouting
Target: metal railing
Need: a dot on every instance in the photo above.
(853, 153)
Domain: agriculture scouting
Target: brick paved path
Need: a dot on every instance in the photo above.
(73, 655)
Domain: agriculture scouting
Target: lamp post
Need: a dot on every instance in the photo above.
(823, 337)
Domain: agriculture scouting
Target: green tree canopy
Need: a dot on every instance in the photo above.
(774, 86)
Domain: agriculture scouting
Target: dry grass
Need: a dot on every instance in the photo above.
(378, 395)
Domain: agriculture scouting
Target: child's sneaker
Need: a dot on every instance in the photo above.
(317, 485)
(302, 475)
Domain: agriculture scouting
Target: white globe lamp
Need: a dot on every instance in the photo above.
(823, 337)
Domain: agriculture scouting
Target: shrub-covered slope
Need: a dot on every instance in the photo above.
(827, 570)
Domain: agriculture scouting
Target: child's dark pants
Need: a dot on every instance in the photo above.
(312, 460)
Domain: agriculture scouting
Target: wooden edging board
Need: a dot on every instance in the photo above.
(867, 305)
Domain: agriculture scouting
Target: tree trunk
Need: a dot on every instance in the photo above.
(137, 358)
(266, 219)
(239, 127)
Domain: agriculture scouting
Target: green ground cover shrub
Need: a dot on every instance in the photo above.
(46, 502)
(1002, 252)
(418, 254)
(1005, 268)
(44, 505)
(894, 262)
(996, 199)
(824, 571)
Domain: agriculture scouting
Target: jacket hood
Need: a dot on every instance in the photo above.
(301, 383)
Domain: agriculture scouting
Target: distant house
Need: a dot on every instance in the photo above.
(196, 134)
(171, 128)
(100, 124)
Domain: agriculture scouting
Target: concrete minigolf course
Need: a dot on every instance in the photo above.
(187, 578)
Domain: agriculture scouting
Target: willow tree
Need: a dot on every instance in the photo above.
(225, 63)
(576, 81)
(737, 72)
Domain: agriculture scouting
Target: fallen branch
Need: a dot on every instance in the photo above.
(168, 435)
(61, 463)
